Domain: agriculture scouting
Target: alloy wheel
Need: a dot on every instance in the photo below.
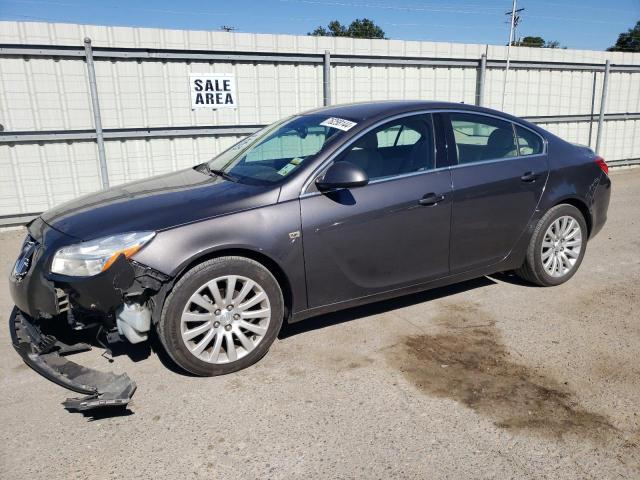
(225, 319)
(561, 246)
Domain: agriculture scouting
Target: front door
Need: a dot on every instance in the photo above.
(391, 233)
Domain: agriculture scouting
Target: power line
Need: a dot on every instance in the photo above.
(435, 9)
(467, 9)
(582, 6)
(464, 9)
(130, 8)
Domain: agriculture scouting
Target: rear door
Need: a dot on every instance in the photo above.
(382, 236)
(498, 176)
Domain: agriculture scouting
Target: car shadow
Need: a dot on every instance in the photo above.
(141, 351)
(136, 352)
(511, 277)
(342, 316)
(106, 413)
(163, 356)
(96, 339)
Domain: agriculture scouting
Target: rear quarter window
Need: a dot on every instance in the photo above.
(529, 143)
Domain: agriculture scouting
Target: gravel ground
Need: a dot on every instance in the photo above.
(491, 378)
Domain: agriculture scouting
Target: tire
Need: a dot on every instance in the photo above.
(536, 269)
(191, 309)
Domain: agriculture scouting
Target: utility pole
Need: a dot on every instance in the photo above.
(506, 70)
(516, 21)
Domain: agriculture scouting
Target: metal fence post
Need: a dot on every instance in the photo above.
(97, 120)
(593, 105)
(603, 104)
(326, 78)
(481, 79)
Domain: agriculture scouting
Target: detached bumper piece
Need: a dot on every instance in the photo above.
(46, 355)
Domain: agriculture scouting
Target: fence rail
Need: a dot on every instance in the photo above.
(218, 130)
(330, 78)
(106, 53)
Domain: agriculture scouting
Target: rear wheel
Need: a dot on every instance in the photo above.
(556, 248)
(222, 316)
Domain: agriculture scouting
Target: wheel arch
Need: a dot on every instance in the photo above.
(269, 263)
(581, 206)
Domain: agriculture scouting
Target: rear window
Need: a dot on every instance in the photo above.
(481, 138)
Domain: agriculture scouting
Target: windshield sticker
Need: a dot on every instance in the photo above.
(339, 123)
(286, 170)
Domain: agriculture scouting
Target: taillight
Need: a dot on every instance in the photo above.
(603, 165)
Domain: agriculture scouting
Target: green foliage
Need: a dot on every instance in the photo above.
(628, 41)
(537, 42)
(359, 28)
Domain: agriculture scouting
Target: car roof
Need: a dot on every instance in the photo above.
(368, 112)
(362, 111)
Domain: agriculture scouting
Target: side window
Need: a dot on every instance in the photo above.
(399, 147)
(389, 136)
(397, 135)
(529, 143)
(479, 137)
(408, 136)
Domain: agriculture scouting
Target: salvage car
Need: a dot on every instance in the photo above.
(325, 210)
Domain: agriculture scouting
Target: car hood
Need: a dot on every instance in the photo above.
(156, 203)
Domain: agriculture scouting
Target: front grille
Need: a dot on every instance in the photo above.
(25, 259)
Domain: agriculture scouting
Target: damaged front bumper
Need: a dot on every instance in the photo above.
(118, 302)
(47, 355)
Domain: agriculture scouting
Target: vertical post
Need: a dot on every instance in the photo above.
(326, 79)
(603, 104)
(506, 70)
(481, 79)
(593, 105)
(97, 120)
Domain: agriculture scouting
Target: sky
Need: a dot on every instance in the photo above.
(583, 24)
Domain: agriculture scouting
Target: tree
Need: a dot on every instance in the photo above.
(359, 28)
(628, 41)
(335, 29)
(364, 28)
(537, 42)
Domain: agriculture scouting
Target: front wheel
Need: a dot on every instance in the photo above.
(221, 316)
(556, 248)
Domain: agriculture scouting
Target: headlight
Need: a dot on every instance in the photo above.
(90, 258)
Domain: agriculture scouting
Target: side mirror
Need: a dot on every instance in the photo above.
(342, 175)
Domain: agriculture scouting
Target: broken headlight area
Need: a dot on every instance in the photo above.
(120, 301)
(90, 258)
(57, 315)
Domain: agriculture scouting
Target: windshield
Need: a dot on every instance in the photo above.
(275, 152)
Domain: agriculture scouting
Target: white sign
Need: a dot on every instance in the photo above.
(213, 90)
(339, 123)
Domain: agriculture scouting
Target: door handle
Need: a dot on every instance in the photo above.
(430, 199)
(529, 177)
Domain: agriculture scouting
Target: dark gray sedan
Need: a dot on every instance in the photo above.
(329, 209)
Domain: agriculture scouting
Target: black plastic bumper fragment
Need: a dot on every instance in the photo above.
(45, 355)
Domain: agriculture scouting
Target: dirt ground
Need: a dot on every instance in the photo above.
(491, 378)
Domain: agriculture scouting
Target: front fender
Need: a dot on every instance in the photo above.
(272, 231)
